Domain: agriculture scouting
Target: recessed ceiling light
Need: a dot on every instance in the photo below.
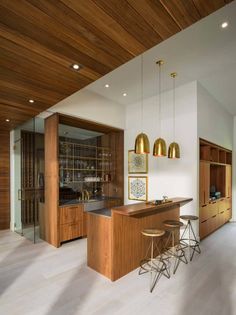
(107, 85)
(224, 24)
(75, 66)
(124, 94)
(31, 101)
(7, 120)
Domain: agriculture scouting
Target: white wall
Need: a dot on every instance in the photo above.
(215, 124)
(234, 172)
(91, 106)
(174, 178)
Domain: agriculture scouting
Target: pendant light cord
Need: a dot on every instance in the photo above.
(174, 106)
(160, 98)
(142, 92)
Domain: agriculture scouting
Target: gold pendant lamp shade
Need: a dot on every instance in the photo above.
(142, 144)
(173, 151)
(159, 148)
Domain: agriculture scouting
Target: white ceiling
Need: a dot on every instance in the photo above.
(204, 52)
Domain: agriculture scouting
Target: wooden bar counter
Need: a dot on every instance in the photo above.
(115, 243)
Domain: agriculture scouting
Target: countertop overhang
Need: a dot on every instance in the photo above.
(145, 207)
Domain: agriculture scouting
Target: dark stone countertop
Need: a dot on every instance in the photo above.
(64, 202)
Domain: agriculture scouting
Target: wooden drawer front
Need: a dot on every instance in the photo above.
(213, 208)
(204, 213)
(221, 218)
(71, 214)
(71, 231)
(222, 205)
(213, 223)
(228, 203)
(204, 229)
(228, 215)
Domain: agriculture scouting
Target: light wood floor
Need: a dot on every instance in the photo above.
(41, 280)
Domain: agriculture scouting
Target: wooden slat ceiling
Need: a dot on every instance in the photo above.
(40, 39)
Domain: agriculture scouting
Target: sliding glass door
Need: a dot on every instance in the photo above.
(28, 178)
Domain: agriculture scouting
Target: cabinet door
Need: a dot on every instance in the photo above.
(213, 223)
(228, 215)
(228, 181)
(204, 183)
(71, 230)
(213, 208)
(221, 218)
(205, 213)
(71, 214)
(204, 229)
(222, 205)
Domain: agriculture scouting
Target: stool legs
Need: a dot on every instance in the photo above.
(176, 250)
(191, 242)
(153, 264)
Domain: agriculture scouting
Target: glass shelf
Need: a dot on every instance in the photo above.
(95, 161)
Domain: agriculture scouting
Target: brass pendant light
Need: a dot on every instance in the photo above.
(142, 142)
(159, 148)
(173, 151)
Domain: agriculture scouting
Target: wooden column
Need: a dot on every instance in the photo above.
(4, 180)
(50, 217)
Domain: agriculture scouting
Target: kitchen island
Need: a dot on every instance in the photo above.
(115, 243)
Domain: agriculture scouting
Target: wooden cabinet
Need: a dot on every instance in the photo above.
(70, 231)
(113, 203)
(97, 163)
(204, 228)
(72, 222)
(228, 181)
(214, 215)
(204, 183)
(215, 171)
(228, 215)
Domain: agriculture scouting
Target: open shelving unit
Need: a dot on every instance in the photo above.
(215, 154)
(82, 163)
(215, 176)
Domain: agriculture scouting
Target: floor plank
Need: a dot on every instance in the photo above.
(42, 280)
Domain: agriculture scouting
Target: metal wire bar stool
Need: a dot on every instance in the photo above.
(153, 261)
(176, 250)
(188, 238)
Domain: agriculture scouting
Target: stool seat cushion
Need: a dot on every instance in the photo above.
(153, 232)
(189, 217)
(173, 223)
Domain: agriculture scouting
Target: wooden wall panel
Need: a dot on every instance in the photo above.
(40, 40)
(50, 216)
(129, 246)
(4, 180)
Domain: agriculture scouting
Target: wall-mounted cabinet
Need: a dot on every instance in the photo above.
(215, 187)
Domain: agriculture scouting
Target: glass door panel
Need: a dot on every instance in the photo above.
(28, 173)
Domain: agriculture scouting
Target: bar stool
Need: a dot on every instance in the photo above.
(153, 261)
(175, 250)
(190, 241)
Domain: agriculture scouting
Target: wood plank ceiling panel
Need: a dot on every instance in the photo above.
(41, 39)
